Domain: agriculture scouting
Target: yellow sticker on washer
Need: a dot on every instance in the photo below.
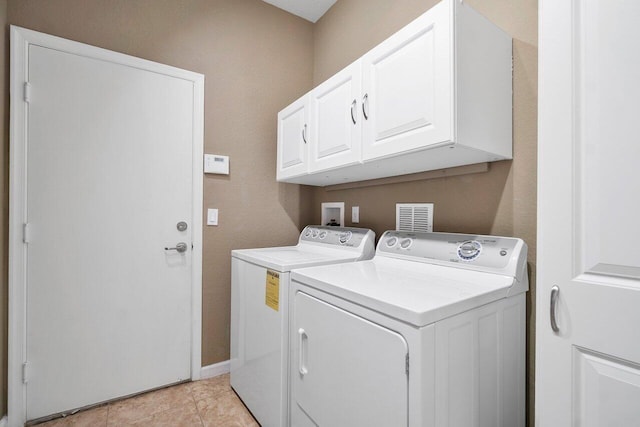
(272, 291)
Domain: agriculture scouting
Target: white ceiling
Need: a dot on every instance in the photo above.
(311, 10)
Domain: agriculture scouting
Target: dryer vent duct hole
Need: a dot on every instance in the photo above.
(414, 217)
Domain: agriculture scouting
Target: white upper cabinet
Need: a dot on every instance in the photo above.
(293, 137)
(407, 86)
(336, 131)
(436, 94)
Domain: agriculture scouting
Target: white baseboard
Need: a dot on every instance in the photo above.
(211, 371)
(4, 422)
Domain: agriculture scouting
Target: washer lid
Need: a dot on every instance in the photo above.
(415, 293)
(317, 245)
(285, 258)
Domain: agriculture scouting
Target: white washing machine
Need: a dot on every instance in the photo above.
(430, 332)
(259, 312)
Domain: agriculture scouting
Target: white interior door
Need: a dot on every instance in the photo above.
(588, 371)
(109, 175)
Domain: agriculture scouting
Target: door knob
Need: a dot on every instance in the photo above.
(180, 247)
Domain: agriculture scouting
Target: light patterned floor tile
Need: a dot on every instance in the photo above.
(209, 403)
(148, 405)
(211, 387)
(225, 409)
(186, 416)
(96, 417)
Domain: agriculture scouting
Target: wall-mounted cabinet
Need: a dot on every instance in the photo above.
(334, 121)
(293, 136)
(436, 94)
(408, 87)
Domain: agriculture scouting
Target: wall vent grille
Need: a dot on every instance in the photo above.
(414, 217)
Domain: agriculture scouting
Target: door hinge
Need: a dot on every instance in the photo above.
(25, 372)
(25, 232)
(406, 364)
(27, 92)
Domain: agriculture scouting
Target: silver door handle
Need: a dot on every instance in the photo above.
(180, 247)
(304, 133)
(555, 291)
(353, 106)
(302, 356)
(365, 105)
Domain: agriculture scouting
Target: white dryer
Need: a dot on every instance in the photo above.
(259, 312)
(430, 332)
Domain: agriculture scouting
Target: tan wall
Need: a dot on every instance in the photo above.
(256, 59)
(501, 201)
(4, 205)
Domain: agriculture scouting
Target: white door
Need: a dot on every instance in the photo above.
(109, 175)
(588, 371)
(336, 122)
(345, 370)
(293, 138)
(408, 87)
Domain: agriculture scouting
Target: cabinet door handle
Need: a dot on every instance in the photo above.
(353, 106)
(304, 133)
(555, 291)
(365, 106)
(302, 355)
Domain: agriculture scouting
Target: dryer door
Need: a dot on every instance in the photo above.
(345, 370)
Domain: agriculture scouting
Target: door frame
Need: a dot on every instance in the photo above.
(21, 39)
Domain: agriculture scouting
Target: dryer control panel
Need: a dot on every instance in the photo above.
(503, 255)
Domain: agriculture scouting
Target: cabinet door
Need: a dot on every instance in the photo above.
(336, 130)
(408, 87)
(293, 135)
(345, 370)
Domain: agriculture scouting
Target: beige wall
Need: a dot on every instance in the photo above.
(256, 59)
(501, 201)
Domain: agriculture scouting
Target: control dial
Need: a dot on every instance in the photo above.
(406, 243)
(345, 237)
(391, 241)
(469, 250)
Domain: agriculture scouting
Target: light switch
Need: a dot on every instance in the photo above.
(214, 163)
(212, 216)
(355, 214)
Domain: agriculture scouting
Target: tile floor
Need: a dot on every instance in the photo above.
(204, 403)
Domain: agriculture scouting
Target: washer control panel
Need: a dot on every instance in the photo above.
(340, 236)
(469, 250)
(489, 252)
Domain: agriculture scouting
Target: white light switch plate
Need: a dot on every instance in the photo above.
(355, 214)
(212, 216)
